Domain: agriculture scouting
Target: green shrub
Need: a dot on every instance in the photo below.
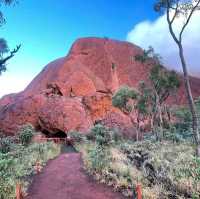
(103, 135)
(184, 116)
(99, 158)
(6, 144)
(26, 134)
(122, 96)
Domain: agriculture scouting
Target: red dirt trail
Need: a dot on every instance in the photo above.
(64, 178)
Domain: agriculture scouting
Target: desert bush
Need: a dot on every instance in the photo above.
(26, 134)
(99, 158)
(122, 96)
(183, 114)
(103, 135)
(6, 144)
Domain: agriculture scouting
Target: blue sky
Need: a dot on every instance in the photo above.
(47, 28)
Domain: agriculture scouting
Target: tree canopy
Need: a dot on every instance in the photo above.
(5, 52)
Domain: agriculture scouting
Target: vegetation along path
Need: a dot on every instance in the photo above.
(64, 178)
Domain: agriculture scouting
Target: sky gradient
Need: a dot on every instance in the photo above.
(47, 28)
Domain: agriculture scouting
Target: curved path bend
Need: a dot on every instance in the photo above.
(64, 178)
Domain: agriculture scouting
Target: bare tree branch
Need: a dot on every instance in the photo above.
(175, 12)
(12, 53)
(171, 22)
(188, 19)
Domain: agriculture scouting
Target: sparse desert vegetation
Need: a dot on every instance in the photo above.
(18, 157)
(164, 169)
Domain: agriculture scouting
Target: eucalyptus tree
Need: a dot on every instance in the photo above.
(176, 10)
(162, 84)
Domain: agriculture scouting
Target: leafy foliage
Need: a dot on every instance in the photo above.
(148, 55)
(122, 96)
(4, 49)
(99, 158)
(26, 134)
(6, 3)
(184, 116)
(164, 82)
(6, 144)
(180, 7)
(144, 100)
(104, 136)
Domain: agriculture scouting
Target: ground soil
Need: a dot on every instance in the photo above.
(64, 178)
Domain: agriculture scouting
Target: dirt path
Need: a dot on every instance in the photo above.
(64, 178)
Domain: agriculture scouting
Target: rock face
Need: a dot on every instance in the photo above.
(74, 92)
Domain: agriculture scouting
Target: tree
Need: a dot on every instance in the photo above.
(185, 9)
(143, 105)
(134, 103)
(4, 49)
(124, 99)
(162, 84)
(6, 3)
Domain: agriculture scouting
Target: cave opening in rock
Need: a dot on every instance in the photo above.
(67, 145)
(57, 133)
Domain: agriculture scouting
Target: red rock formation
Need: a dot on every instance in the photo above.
(72, 93)
(63, 114)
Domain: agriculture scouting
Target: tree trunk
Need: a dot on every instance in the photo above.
(138, 127)
(161, 133)
(190, 100)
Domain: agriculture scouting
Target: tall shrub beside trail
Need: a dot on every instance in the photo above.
(99, 155)
(6, 144)
(103, 136)
(26, 134)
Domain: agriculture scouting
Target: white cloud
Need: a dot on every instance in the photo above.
(156, 34)
(10, 83)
